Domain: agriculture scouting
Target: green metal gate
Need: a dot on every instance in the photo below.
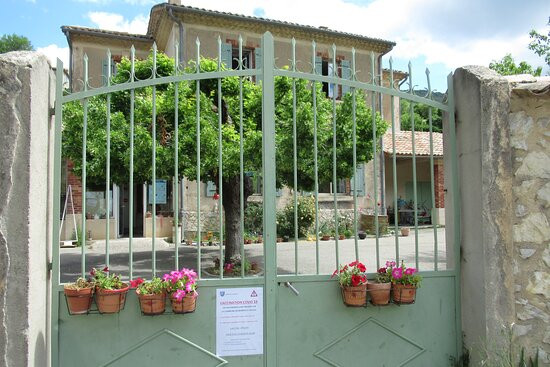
(304, 320)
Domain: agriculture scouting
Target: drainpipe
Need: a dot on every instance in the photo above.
(70, 61)
(180, 27)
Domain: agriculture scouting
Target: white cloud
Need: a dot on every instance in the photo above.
(53, 52)
(116, 22)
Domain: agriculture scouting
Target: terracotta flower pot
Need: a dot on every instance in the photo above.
(405, 231)
(342, 237)
(279, 239)
(186, 305)
(379, 293)
(355, 296)
(325, 238)
(111, 300)
(152, 304)
(402, 293)
(79, 300)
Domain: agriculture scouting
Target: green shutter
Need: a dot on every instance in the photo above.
(258, 61)
(346, 74)
(210, 188)
(360, 176)
(104, 71)
(318, 65)
(227, 55)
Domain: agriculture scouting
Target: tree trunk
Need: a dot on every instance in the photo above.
(232, 208)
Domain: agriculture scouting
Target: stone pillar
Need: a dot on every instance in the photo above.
(26, 83)
(482, 100)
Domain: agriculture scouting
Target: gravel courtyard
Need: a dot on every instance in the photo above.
(95, 255)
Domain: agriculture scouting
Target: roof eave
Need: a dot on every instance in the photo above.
(68, 30)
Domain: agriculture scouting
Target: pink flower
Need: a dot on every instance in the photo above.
(166, 277)
(189, 287)
(390, 264)
(179, 294)
(410, 271)
(397, 273)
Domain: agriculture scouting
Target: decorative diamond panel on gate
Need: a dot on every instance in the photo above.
(155, 347)
(363, 342)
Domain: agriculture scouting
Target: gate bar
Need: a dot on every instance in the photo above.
(84, 138)
(198, 121)
(434, 213)
(315, 163)
(394, 168)
(415, 194)
(334, 172)
(374, 152)
(269, 202)
(108, 164)
(131, 199)
(241, 154)
(176, 161)
(354, 132)
(220, 158)
(154, 178)
(295, 146)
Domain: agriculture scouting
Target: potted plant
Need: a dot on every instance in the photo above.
(79, 296)
(405, 283)
(326, 231)
(348, 233)
(110, 291)
(151, 295)
(182, 288)
(286, 238)
(362, 235)
(379, 290)
(405, 231)
(353, 283)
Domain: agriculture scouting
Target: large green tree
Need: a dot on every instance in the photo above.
(252, 123)
(14, 42)
(507, 66)
(421, 117)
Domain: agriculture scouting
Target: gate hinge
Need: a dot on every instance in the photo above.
(50, 266)
(52, 111)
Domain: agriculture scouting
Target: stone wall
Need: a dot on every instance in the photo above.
(529, 120)
(503, 147)
(26, 82)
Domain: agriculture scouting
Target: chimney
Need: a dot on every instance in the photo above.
(174, 2)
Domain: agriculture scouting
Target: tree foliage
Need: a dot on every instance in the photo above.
(540, 44)
(507, 66)
(421, 117)
(14, 42)
(252, 108)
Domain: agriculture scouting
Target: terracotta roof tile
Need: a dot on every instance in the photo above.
(403, 143)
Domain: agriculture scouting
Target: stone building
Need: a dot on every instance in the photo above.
(172, 23)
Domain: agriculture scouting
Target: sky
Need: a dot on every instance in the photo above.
(437, 34)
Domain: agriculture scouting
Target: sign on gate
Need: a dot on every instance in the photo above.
(239, 321)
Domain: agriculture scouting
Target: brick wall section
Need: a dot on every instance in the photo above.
(76, 186)
(439, 183)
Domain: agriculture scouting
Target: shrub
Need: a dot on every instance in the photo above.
(253, 218)
(305, 213)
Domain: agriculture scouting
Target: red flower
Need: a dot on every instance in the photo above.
(364, 278)
(105, 269)
(216, 196)
(135, 283)
(354, 263)
(344, 269)
(334, 274)
(383, 270)
(92, 272)
(356, 280)
(362, 268)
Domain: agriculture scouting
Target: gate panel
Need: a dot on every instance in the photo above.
(316, 329)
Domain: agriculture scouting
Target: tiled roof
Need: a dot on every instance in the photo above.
(325, 30)
(403, 143)
(104, 32)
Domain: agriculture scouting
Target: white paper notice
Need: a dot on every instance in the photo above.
(239, 321)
